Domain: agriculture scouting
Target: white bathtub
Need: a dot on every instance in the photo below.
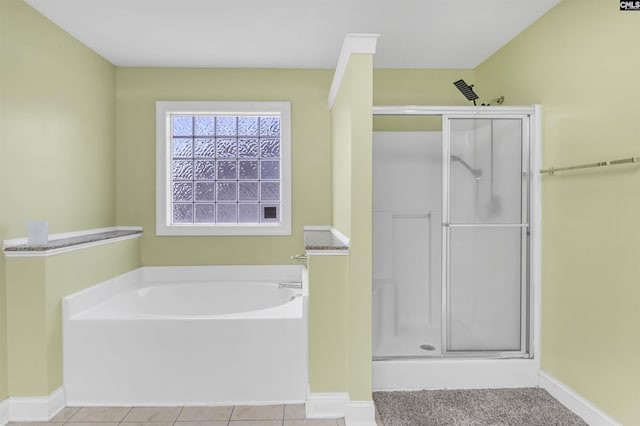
(187, 336)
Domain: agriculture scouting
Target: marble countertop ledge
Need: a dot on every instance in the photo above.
(60, 243)
(323, 240)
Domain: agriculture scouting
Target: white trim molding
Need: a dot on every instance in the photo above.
(37, 408)
(446, 110)
(336, 405)
(574, 402)
(360, 413)
(327, 405)
(4, 412)
(328, 252)
(164, 222)
(353, 44)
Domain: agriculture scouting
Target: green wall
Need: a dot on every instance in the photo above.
(139, 89)
(4, 383)
(328, 323)
(352, 212)
(581, 62)
(419, 87)
(57, 139)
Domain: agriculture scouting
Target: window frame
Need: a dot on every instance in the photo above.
(164, 111)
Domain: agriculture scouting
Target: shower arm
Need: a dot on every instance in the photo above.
(475, 172)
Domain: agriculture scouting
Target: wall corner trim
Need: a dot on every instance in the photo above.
(576, 403)
(4, 412)
(353, 43)
(37, 408)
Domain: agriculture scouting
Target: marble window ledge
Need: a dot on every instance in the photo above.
(324, 240)
(60, 243)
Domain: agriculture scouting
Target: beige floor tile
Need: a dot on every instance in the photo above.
(153, 414)
(199, 414)
(341, 422)
(34, 424)
(100, 414)
(255, 423)
(96, 424)
(65, 414)
(379, 422)
(147, 424)
(311, 422)
(295, 411)
(203, 423)
(258, 412)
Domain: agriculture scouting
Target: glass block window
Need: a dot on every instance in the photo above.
(225, 168)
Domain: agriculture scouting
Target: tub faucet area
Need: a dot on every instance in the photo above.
(291, 284)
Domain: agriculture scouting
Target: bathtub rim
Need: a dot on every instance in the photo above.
(81, 301)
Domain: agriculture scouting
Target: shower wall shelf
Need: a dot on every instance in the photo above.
(554, 170)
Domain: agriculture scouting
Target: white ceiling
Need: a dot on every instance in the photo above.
(292, 33)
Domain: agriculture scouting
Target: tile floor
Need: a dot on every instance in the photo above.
(268, 415)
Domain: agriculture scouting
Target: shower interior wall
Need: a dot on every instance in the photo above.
(407, 278)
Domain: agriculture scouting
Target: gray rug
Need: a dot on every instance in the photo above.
(513, 407)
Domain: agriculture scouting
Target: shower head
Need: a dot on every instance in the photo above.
(475, 172)
(466, 90)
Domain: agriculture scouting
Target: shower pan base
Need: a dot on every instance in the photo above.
(433, 373)
(409, 341)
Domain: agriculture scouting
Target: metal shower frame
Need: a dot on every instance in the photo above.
(530, 310)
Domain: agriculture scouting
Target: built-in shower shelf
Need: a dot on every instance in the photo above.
(60, 243)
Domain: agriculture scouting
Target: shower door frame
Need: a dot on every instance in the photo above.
(524, 225)
(531, 308)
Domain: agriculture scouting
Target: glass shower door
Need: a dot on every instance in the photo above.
(485, 236)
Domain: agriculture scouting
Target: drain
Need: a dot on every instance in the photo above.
(426, 347)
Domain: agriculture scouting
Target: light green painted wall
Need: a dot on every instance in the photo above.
(26, 322)
(35, 287)
(419, 87)
(328, 319)
(139, 89)
(352, 211)
(57, 161)
(581, 62)
(4, 383)
(341, 127)
(58, 111)
(361, 265)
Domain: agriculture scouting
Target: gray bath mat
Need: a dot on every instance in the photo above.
(478, 407)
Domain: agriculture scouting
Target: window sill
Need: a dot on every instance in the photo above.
(222, 230)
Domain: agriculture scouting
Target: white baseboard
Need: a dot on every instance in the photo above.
(4, 412)
(360, 413)
(570, 399)
(38, 408)
(337, 405)
(327, 405)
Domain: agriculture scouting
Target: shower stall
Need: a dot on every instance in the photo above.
(454, 258)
